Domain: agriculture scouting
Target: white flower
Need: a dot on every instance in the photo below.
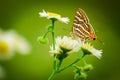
(90, 49)
(65, 44)
(6, 47)
(50, 15)
(21, 45)
(11, 42)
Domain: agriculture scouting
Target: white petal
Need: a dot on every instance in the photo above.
(43, 14)
(23, 46)
(97, 53)
(65, 20)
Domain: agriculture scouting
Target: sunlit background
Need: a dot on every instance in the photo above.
(22, 16)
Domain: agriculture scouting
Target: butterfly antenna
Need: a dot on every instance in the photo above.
(100, 41)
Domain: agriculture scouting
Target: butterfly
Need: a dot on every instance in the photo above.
(82, 27)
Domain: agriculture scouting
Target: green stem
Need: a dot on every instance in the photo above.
(59, 65)
(53, 35)
(53, 41)
(77, 60)
(85, 63)
(45, 34)
(54, 62)
(77, 67)
(55, 71)
(52, 75)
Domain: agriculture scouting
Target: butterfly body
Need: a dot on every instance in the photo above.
(81, 26)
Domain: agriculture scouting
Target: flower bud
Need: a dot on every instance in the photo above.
(42, 40)
(80, 76)
(87, 67)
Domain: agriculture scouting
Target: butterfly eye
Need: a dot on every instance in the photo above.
(92, 35)
(94, 38)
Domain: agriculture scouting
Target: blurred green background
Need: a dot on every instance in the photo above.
(22, 16)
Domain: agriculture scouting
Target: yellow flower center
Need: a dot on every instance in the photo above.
(53, 14)
(4, 48)
(87, 46)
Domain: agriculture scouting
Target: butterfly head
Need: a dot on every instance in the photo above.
(93, 36)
